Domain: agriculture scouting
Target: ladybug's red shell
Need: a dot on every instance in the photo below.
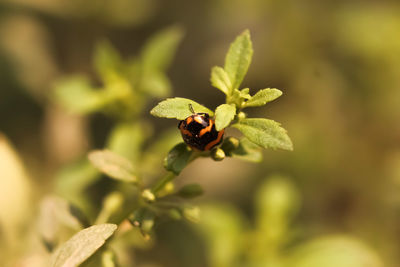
(198, 131)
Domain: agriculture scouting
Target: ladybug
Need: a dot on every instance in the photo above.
(198, 131)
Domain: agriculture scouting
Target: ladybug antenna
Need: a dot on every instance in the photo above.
(191, 108)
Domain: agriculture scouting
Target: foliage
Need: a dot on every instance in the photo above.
(126, 86)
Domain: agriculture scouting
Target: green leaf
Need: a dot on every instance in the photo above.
(224, 114)
(178, 108)
(160, 49)
(126, 139)
(223, 228)
(262, 97)
(156, 84)
(277, 201)
(248, 151)
(106, 59)
(220, 79)
(265, 133)
(238, 59)
(177, 158)
(332, 251)
(76, 95)
(190, 191)
(113, 165)
(82, 245)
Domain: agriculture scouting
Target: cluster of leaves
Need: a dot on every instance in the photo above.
(258, 132)
(126, 88)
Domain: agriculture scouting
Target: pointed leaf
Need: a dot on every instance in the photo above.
(265, 133)
(178, 158)
(178, 108)
(160, 49)
(238, 59)
(220, 80)
(82, 245)
(113, 165)
(262, 97)
(224, 114)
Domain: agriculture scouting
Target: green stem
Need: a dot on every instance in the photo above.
(165, 180)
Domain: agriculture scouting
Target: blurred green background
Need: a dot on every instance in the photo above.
(338, 65)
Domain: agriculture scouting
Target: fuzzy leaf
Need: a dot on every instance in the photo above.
(177, 158)
(238, 58)
(82, 245)
(265, 133)
(224, 114)
(262, 97)
(178, 108)
(220, 80)
(160, 49)
(113, 165)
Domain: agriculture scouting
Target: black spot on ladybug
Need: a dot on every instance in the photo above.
(198, 131)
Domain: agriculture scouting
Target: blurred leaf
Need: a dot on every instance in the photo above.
(238, 59)
(262, 97)
(276, 202)
(191, 213)
(56, 221)
(155, 153)
(106, 59)
(248, 151)
(82, 245)
(113, 165)
(333, 251)
(265, 133)
(108, 259)
(15, 196)
(160, 49)
(178, 108)
(72, 180)
(222, 226)
(156, 84)
(190, 191)
(220, 80)
(77, 95)
(177, 158)
(112, 203)
(126, 139)
(224, 114)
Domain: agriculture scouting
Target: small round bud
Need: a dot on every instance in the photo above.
(241, 115)
(217, 154)
(148, 196)
(230, 144)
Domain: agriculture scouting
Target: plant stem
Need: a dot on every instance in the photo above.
(165, 180)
